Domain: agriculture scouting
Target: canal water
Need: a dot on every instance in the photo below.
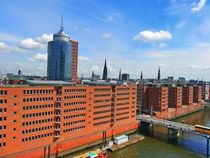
(157, 146)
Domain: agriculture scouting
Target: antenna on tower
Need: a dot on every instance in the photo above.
(61, 22)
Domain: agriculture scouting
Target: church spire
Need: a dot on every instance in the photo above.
(159, 74)
(105, 72)
(141, 78)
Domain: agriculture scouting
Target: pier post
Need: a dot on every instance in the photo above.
(172, 133)
(207, 147)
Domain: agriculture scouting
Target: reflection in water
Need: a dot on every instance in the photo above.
(158, 147)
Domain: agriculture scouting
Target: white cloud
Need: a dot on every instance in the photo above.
(114, 17)
(82, 58)
(45, 38)
(197, 7)
(39, 57)
(3, 46)
(106, 35)
(37, 43)
(150, 36)
(181, 24)
(30, 43)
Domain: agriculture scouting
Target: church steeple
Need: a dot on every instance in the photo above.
(105, 72)
(141, 78)
(158, 74)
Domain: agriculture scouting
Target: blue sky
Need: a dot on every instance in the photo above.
(134, 35)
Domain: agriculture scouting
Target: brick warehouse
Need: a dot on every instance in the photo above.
(169, 102)
(66, 117)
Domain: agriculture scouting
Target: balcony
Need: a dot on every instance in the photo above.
(57, 108)
(57, 136)
(58, 115)
(57, 129)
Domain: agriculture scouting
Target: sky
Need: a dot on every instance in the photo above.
(133, 35)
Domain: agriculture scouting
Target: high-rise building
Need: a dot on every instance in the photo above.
(105, 76)
(62, 57)
(125, 77)
(120, 76)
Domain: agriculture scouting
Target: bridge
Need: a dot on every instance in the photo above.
(173, 128)
(170, 124)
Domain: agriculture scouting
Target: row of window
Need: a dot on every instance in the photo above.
(3, 92)
(101, 117)
(102, 95)
(102, 106)
(37, 99)
(101, 123)
(102, 101)
(74, 90)
(3, 118)
(37, 114)
(3, 127)
(74, 96)
(40, 91)
(37, 106)
(119, 94)
(74, 122)
(36, 137)
(122, 118)
(124, 89)
(74, 110)
(118, 99)
(73, 129)
(101, 112)
(123, 113)
(3, 110)
(3, 135)
(125, 108)
(3, 101)
(102, 89)
(75, 103)
(125, 103)
(73, 116)
(37, 122)
(36, 129)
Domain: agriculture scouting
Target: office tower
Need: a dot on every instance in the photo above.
(125, 77)
(62, 57)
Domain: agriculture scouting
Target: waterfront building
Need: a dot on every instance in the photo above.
(187, 95)
(62, 57)
(62, 117)
(105, 73)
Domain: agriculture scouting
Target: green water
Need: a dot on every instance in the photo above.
(189, 146)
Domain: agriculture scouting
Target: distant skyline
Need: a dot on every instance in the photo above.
(132, 35)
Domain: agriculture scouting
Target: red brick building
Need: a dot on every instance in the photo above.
(63, 118)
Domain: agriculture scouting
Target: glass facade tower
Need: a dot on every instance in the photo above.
(59, 65)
